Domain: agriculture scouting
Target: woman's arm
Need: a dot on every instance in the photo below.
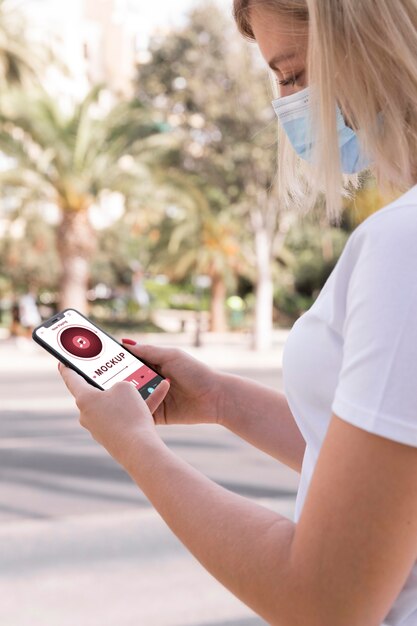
(200, 395)
(342, 564)
(262, 417)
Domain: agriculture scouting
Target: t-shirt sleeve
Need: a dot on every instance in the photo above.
(377, 384)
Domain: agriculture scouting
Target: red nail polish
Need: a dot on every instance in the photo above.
(129, 342)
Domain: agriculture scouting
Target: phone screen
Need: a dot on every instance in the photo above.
(96, 354)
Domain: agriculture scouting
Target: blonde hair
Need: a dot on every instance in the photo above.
(361, 55)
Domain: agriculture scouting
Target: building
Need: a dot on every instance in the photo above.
(96, 39)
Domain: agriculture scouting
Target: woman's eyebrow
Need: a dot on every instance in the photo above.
(280, 58)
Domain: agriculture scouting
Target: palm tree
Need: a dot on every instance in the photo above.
(70, 159)
(21, 60)
(201, 241)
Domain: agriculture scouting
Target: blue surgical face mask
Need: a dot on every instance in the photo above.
(294, 113)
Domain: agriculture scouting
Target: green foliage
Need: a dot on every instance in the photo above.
(121, 323)
(161, 294)
(72, 159)
(205, 81)
(309, 255)
(29, 259)
(290, 302)
(314, 252)
(22, 60)
(120, 248)
(69, 158)
(175, 296)
(202, 127)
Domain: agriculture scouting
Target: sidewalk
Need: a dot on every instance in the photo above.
(119, 570)
(79, 543)
(221, 350)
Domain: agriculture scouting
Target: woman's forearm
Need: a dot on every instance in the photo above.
(245, 546)
(262, 417)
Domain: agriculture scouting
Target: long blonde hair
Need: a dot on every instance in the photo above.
(362, 56)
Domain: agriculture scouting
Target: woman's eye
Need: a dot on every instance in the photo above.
(289, 81)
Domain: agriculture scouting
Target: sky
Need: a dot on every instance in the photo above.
(159, 11)
(144, 15)
(154, 12)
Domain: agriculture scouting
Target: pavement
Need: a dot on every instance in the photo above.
(79, 543)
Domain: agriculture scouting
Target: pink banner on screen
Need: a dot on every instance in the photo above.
(141, 376)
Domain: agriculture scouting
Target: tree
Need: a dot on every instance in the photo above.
(74, 160)
(207, 83)
(195, 241)
(28, 258)
(22, 60)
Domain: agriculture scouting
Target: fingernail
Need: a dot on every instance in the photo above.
(129, 342)
(59, 365)
(168, 379)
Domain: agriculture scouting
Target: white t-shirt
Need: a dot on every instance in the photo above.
(354, 352)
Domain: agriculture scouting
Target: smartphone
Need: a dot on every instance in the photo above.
(96, 356)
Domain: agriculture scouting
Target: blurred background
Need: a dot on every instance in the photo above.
(137, 184)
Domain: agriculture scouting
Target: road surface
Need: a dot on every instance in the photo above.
(79, 542)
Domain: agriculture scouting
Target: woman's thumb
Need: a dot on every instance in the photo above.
(157, 397)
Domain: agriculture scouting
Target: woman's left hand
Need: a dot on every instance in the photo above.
(118, 419)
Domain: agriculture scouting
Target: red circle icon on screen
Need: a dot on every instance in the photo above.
(80, 342)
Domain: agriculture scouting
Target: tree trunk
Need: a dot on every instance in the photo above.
(76, 245)
(262, 339)
(218, 322)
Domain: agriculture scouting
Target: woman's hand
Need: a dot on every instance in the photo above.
(194, 395)
(118, 419)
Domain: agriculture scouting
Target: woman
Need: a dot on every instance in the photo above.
(348, 419)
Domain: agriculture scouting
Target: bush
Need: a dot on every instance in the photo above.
(175, 296)
(291, 303)
(161, 294)
(314, 252)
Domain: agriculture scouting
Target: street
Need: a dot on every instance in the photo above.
(80, 544)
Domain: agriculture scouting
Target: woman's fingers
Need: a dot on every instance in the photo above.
(74, 382)
(157, 397)
(77, 386)
(154, 355)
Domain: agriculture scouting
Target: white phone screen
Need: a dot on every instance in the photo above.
(96, 354)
